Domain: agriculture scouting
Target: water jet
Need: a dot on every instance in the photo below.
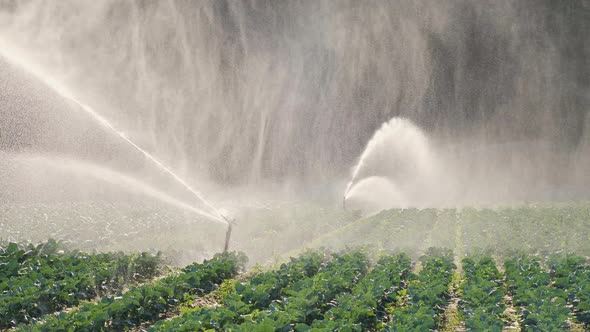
(18, 59)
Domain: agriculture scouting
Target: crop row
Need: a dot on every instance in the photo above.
(543, 307)
(309, 293)
(257, 293)
(572, 275)
(308, 299)
(38, 280)
(535, 229)
(543, 295)
(427, 295)
(305, 294)
(365, 307)
(482, 295)
(145, 303)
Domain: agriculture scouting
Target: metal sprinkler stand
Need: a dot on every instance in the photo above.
(230, 224)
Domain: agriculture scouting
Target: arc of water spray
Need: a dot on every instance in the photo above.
(107, 175)
(368, 149)
(65, 93)
(151, 158)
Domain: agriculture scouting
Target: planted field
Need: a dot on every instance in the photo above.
(463, 273)
(342, 292)
(538, 229)
(315, 165)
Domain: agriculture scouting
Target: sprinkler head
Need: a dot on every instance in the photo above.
(229, 221)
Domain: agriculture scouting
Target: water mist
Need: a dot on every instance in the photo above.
(19, 59)
(269, 103)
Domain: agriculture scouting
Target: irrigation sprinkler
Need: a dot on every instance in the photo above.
(230, 224)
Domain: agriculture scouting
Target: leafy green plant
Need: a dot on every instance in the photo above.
(308, 299)
(254, 295)
(37, 280)
(427, 295)
(148, 302)
(572, 275)
(364, 307)
(483, 291)
(543, 306)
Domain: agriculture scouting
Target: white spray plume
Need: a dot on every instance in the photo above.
(398, 155)
(18, 58)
